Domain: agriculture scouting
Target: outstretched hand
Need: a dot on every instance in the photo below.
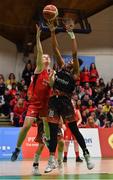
(38, 30)
(69, 30)
(51, 25)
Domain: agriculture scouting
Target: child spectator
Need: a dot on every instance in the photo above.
(11, 80)
(14, 100)
(13, 90)
(18, 111)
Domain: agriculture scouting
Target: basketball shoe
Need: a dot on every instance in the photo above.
(89, 163)
(51, 165)
(35, 169)
(15, 154)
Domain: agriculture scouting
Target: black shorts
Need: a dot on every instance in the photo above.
(61, 106)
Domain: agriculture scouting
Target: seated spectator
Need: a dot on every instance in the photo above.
(97, 121)
(98, 94)
(84, 101)
(27, 73)
(107, 106)
(110, 116)
(107, 124)
(7, 98)
(23, 92)
(93, 74)
(75, 97)
(84, 118)
(14, 100)
(100, 115)
(111, 82)
(111, 93)
(108, 87)
(102, 98)
(102, 84)
(79, 105)
(4, 108)
(13, 90)
(2, 85)
(91, 123)
(91, 106)
(11, 80)
(107, 96)
(87, 89)
(18, 111)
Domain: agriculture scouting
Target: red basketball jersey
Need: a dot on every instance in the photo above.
(40, 92)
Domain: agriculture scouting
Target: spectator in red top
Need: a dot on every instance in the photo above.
(91, 123)
(18, 111)
(23, 92)
(13, 90)
(84, 75)
(87, 89)
(93, 74)
(14, 100)
(91, 107)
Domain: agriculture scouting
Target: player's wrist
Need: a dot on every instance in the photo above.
(52, 28)
(38, 34)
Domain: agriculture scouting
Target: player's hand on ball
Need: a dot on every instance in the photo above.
(51, 25)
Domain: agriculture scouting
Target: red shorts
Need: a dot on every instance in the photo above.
(68, 135)
(34, 111)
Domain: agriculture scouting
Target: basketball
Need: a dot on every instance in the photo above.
(50, 12)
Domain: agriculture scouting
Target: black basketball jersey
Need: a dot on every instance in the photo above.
(64, 82)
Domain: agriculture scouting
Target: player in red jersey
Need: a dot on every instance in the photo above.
(38, 93)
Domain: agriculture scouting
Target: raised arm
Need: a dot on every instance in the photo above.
(76, 68)
(39, 51)
(55, 46)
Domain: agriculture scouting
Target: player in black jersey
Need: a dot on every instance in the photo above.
(60, 104)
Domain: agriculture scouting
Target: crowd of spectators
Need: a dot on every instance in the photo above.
(13, 96)
(91, 96)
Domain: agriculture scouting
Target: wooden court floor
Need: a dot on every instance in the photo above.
(23, 170)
